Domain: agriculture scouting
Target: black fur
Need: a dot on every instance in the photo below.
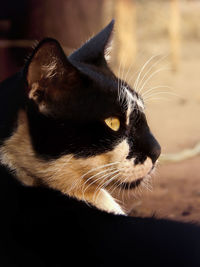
(42, 227)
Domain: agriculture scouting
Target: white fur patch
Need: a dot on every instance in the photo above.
(139, 103)
(130, 101)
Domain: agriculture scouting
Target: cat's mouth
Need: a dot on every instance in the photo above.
(131, 185)
(128, 185)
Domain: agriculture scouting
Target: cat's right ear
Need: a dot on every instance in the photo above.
(49, 74)
(96, 50)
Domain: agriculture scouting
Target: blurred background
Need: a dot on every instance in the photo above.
(157, 50)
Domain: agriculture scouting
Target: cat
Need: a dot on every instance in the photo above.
(81, 129)
(71, 132)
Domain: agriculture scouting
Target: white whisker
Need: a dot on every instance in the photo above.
(132, 77)
(159, 93)
(130, 67)
(97, 174)
(157, 98)
(148, 71)
(104, 185)
(125, 181)
(96, 180)
(119, 75)
(141, 70)
(99, 167)
(150, 76)
(146, 183)
(154, 88)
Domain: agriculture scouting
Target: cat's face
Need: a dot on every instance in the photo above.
(80, 112)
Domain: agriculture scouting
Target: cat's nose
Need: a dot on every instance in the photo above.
(142, 146)
(155, 153)
(153, 149)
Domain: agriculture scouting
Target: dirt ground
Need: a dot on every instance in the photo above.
(175, 121)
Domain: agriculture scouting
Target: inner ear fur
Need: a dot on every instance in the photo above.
(49, 74)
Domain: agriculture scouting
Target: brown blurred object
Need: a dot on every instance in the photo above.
(174, 31)
(22, 22)
(69, 21)
(125, 15)
(128, 15)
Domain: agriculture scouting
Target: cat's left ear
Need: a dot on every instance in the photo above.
(49, 74)
(96, 50)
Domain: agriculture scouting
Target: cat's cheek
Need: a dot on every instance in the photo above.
(120, 152)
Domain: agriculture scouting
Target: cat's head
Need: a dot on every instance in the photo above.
(87, 127)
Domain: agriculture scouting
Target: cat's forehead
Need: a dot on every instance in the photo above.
(111, 93)
(106, 96)
(109, 85)
(121, 95)
(125, 96)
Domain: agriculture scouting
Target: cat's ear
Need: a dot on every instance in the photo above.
(95, 51)
(49, 74)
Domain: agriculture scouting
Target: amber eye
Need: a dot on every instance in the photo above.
(113, 123)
